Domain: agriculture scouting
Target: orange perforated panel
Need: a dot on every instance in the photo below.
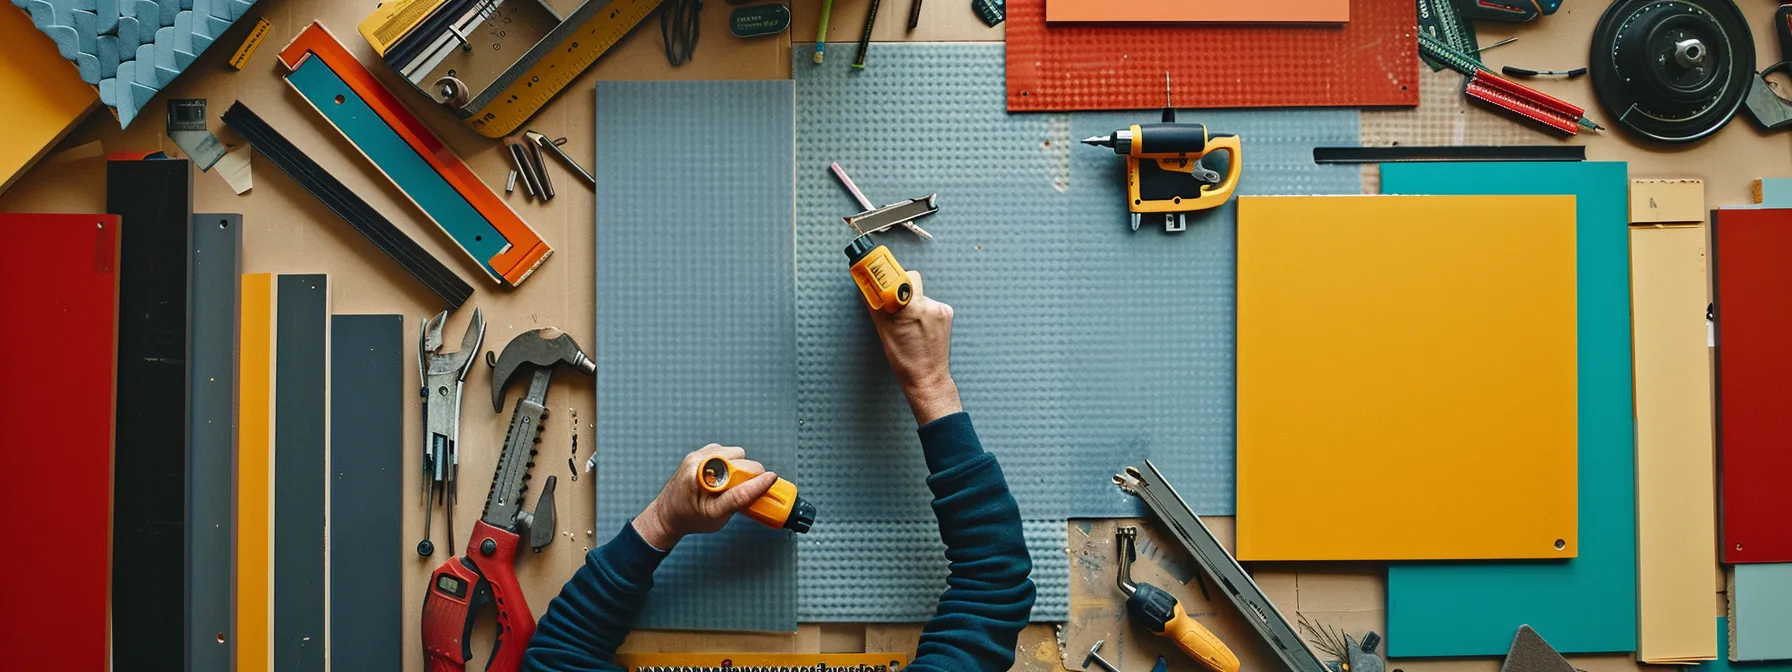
(1370, 61)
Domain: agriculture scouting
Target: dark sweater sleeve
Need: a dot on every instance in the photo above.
(988, 594)
(583, 627)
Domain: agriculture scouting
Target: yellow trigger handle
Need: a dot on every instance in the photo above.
(779, 507)
(1234, 167)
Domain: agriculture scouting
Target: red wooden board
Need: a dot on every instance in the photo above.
(1372, 60)
(59, 295)
(1754, 382)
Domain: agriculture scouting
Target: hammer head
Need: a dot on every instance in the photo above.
(547, 347)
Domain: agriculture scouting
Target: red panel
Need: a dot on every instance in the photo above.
(59, 295)
(1754, 382)
(1372, 60)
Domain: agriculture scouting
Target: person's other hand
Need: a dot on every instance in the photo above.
(683, 507)
(918, 342)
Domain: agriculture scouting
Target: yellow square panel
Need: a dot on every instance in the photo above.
(1406, 378)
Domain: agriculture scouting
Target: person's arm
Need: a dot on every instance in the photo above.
(988, 594)
(584, 626)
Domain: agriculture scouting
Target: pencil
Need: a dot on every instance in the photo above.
(821, 33)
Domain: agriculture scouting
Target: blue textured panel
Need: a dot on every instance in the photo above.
(407, 169)
(1761, 611)
(695, 326)
(1080, 346)
(1723, 662)
(1587, 604)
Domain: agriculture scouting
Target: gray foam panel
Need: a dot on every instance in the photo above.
(695, 325)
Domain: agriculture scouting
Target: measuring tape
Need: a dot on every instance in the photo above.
(549, 67)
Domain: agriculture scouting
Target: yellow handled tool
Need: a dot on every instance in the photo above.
(779, 507)
(1164, 170)
(883, 281)
(1163, 615)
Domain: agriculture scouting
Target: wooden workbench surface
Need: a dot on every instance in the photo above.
(289, 231)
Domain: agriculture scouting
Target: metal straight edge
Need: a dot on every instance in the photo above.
(345, 203)
(366, 482)
(1269, 623)
(894, 214)
(216, 263)
(301, 416)
(1404, 153)
(149, 518)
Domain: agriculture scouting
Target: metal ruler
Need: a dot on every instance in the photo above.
(1149, 485)
(495, 64)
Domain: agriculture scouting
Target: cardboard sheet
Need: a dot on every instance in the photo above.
(1198, 11)
(1753, 288)
(1372, 60)
(1439, 314)
(695, 327)
(1587, 604)
(1675, 460)
(58, 409)
(1760, 612)
(1080, 346)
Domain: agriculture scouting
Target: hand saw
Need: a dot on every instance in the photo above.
(494, 63)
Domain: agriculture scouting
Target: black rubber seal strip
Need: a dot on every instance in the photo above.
(149, 501)
(367, 398)
(434, 275)
(301, 347)
(1406, 153)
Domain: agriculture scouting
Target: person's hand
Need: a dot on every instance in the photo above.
(918, 342)
(684, 508)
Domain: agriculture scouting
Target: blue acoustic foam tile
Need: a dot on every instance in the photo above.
(695, 326)
(1080, 345)
(1587, 604)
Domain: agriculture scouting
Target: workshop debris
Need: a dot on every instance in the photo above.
(186, 126)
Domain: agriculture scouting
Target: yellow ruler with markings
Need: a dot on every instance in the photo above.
(762, 662)
(504, 60)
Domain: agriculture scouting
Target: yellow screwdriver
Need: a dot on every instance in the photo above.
(1163, 615)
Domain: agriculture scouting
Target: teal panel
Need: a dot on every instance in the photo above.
(1761, 604)
(1587, 604)
(404, 166)
(1723, 662)
(1776, 192)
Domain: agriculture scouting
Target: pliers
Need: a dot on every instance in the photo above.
(442, 375)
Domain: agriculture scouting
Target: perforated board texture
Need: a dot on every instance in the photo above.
(1372, 60)
(1032, 233)
(695, 326)
(1588, 604)
(130, 49)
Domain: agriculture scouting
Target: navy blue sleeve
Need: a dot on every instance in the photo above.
(584, 626)
(988, 594)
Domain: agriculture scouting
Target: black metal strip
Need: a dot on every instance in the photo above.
(367, 481)
(149, 512)
(211, 440)
(1269, 623)
(349, 206)
(1405, 153)
(301, 411)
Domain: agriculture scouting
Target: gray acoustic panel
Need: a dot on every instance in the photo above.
(215, 289)
(301, 412)
(695, 326)
(367, 398)
(1080, 346)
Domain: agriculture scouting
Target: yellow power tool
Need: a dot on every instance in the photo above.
(1163, 615)
(1164, 169)
(779, 507)
(883, 281)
